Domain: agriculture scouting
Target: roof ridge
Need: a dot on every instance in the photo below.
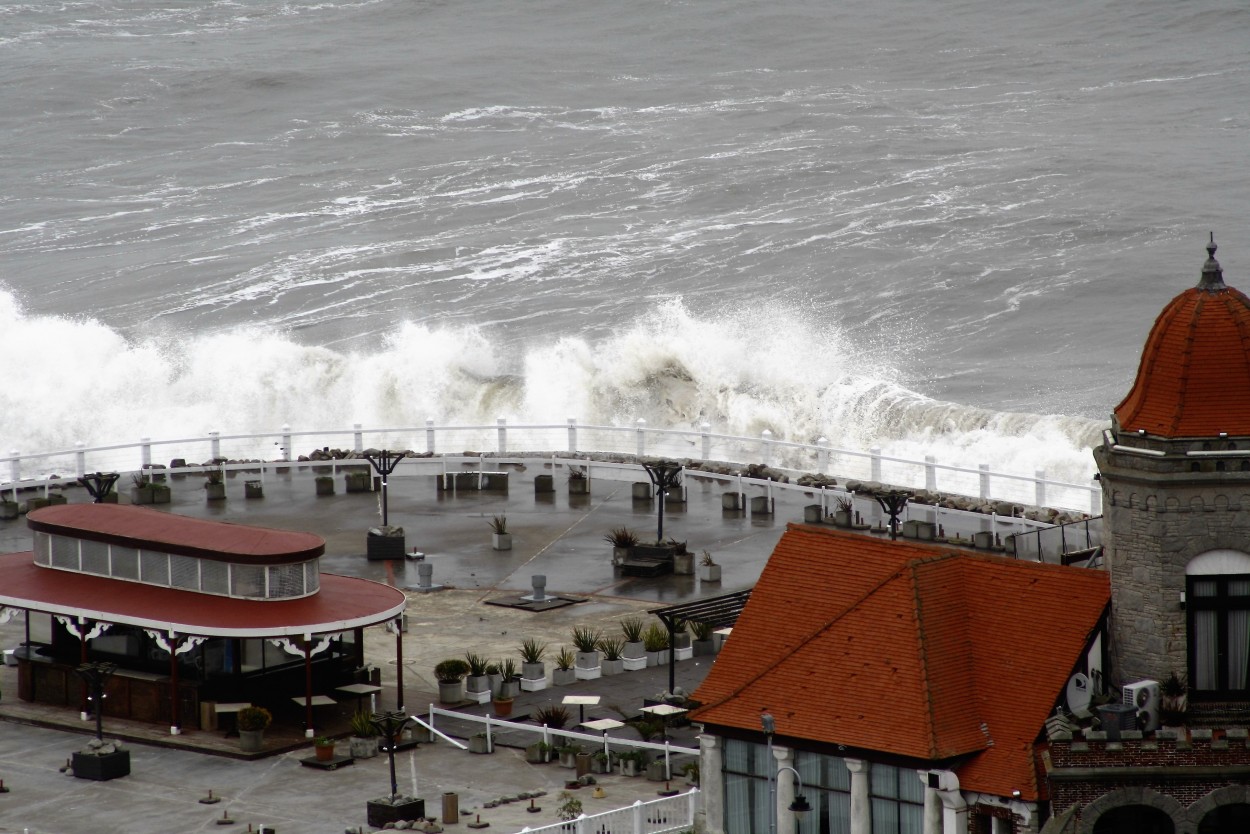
(922, 643)
(828, 624)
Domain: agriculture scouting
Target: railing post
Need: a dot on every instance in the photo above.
(572, 435)
(501, 435)
(358, 438)
(637, 817)
(930, 473)
(1095, 499)
(581, 823)
(706, 430)
(80, 458)
(874, 455)
(766, 447)
(429, 435)
(1040, 487)
(692, 806)
(145, 452)
(985, 479)
(642, 436)
(286, 441)
(822, 454)
(15, 468)
(214, 445)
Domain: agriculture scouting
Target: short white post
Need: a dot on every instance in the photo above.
(637, 817)
(501, 435)
(358, 438)
(145, 452)
(985, 479)
(286, 441)
(1040, 487)
(706, 430)
(641, 430)
(80, 458)
(429, 435)
(490, 742)
(15, 469)
(572, 435)
(766, 447)
(930, 473)
(874, 455)
(214, 445)
(1095, 499)
(822, 454)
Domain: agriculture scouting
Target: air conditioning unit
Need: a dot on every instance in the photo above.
(1144, 695)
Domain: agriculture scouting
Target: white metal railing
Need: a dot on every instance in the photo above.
(59, 466)
(658, 816)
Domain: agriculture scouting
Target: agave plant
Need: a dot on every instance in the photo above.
(612, 647)
(532, 650)
(632, 628)
(477, 664)
(586, 639)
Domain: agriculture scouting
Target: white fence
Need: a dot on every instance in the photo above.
(48, 467)
(659, 816)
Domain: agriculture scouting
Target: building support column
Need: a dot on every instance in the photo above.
(861, 808)
(784, 757)
(175, 717)
(954, 806)
(308, 716)
(399, 665)
(711, 784)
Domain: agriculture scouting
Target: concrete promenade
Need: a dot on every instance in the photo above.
(557, 534)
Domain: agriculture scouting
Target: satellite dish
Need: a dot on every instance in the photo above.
(1078, 693)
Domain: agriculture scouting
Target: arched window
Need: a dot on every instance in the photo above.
(1218, 611)
(1226, 818)
(1134, 819)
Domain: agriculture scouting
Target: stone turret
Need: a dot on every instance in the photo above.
(1175, 473)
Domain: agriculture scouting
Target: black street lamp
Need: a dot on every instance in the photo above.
(665, 474)
(799, 806)
(384, 463)
(893, 503)
(99, 484)
(95, 675)
(389, 726)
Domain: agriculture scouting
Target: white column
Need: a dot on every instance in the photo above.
(572, 435)
(954, 808)
(712, 783)
(932, 805)
(501, 435)
(861, 808)
(429, 435)
(785, 788)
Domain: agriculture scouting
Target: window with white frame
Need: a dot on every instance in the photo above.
(1218, 618)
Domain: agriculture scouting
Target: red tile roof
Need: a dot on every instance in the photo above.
(1194, 375)
(171, 533)
(341, 603)
(906, 649)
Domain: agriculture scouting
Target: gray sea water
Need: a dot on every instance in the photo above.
(939, 227)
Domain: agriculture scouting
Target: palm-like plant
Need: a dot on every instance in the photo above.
(632, 628)
(532, 650)
(586, 639)
(612, 647)
(477, 664)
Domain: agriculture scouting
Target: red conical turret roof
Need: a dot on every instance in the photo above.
(1194, 377)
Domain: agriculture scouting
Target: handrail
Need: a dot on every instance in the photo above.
(22, 470)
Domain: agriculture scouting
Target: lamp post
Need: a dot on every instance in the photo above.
(665, 474)
(384, 463)
(799, 807)
(389, 725)
(99, 484)
(893, 503)
(95, 675)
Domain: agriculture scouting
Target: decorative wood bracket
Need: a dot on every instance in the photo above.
(76, 628)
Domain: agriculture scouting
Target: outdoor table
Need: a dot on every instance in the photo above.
(664, 711)
(360, 690)
(233, 708)
(581, 701)
(603, 725)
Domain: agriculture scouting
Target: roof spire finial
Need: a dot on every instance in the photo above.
(1212, 275)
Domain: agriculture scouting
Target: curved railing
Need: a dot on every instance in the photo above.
(22, 469)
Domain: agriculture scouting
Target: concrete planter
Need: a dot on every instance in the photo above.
(253, 489)
(703, 647)
(563, 677)
(356, 482)
(382, 548)
(325, 485)
(8, 510)
(543, 484)
(450, 692)
(479, 744)
(634, 664)
(363, 748)
(405, 808)
(501, 541)
(612, 667)
(683, 564)
(215, 492)
(709, 573)
(579, 486)
(251, 741)
(101, 768)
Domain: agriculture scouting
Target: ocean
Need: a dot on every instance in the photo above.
(938, 228)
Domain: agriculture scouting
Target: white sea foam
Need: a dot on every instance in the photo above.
(742, 372)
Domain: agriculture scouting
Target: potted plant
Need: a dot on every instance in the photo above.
(586, 640)
(709, 571)
(9, 507)
(538, 753)
(450, 674)
(579, 484)
(602, 761)
(702, 643)
(612, 663)
(691, 771)
(324, 484)
(623, 541)
(681, 641)
(500, 538)
(141, 492)
(477, 682)
(214, 486)
(634, 652)
(555, 716)
(502, 700)
(655, 639)
(843, 515)
(532, 667)
(1175, 700)
(632, 762)
(509, 677)
(570, 807)
(357, 480)
(568, 754)
(324, 748)
(252, 723)
(479, 743)
(563, 674)
(363, 741)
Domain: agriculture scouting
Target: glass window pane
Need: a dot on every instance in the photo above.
(1205, 639)
(1238, 587)
(910, 788)
(125, 562)
(247, 581)
(1205, 587)
(884, 781)
(884, 816)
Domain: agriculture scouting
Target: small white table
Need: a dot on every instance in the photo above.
(664, 711)
(360, 690)
(316, 700)
(232, 708)
(581, 702)
(603, 725)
